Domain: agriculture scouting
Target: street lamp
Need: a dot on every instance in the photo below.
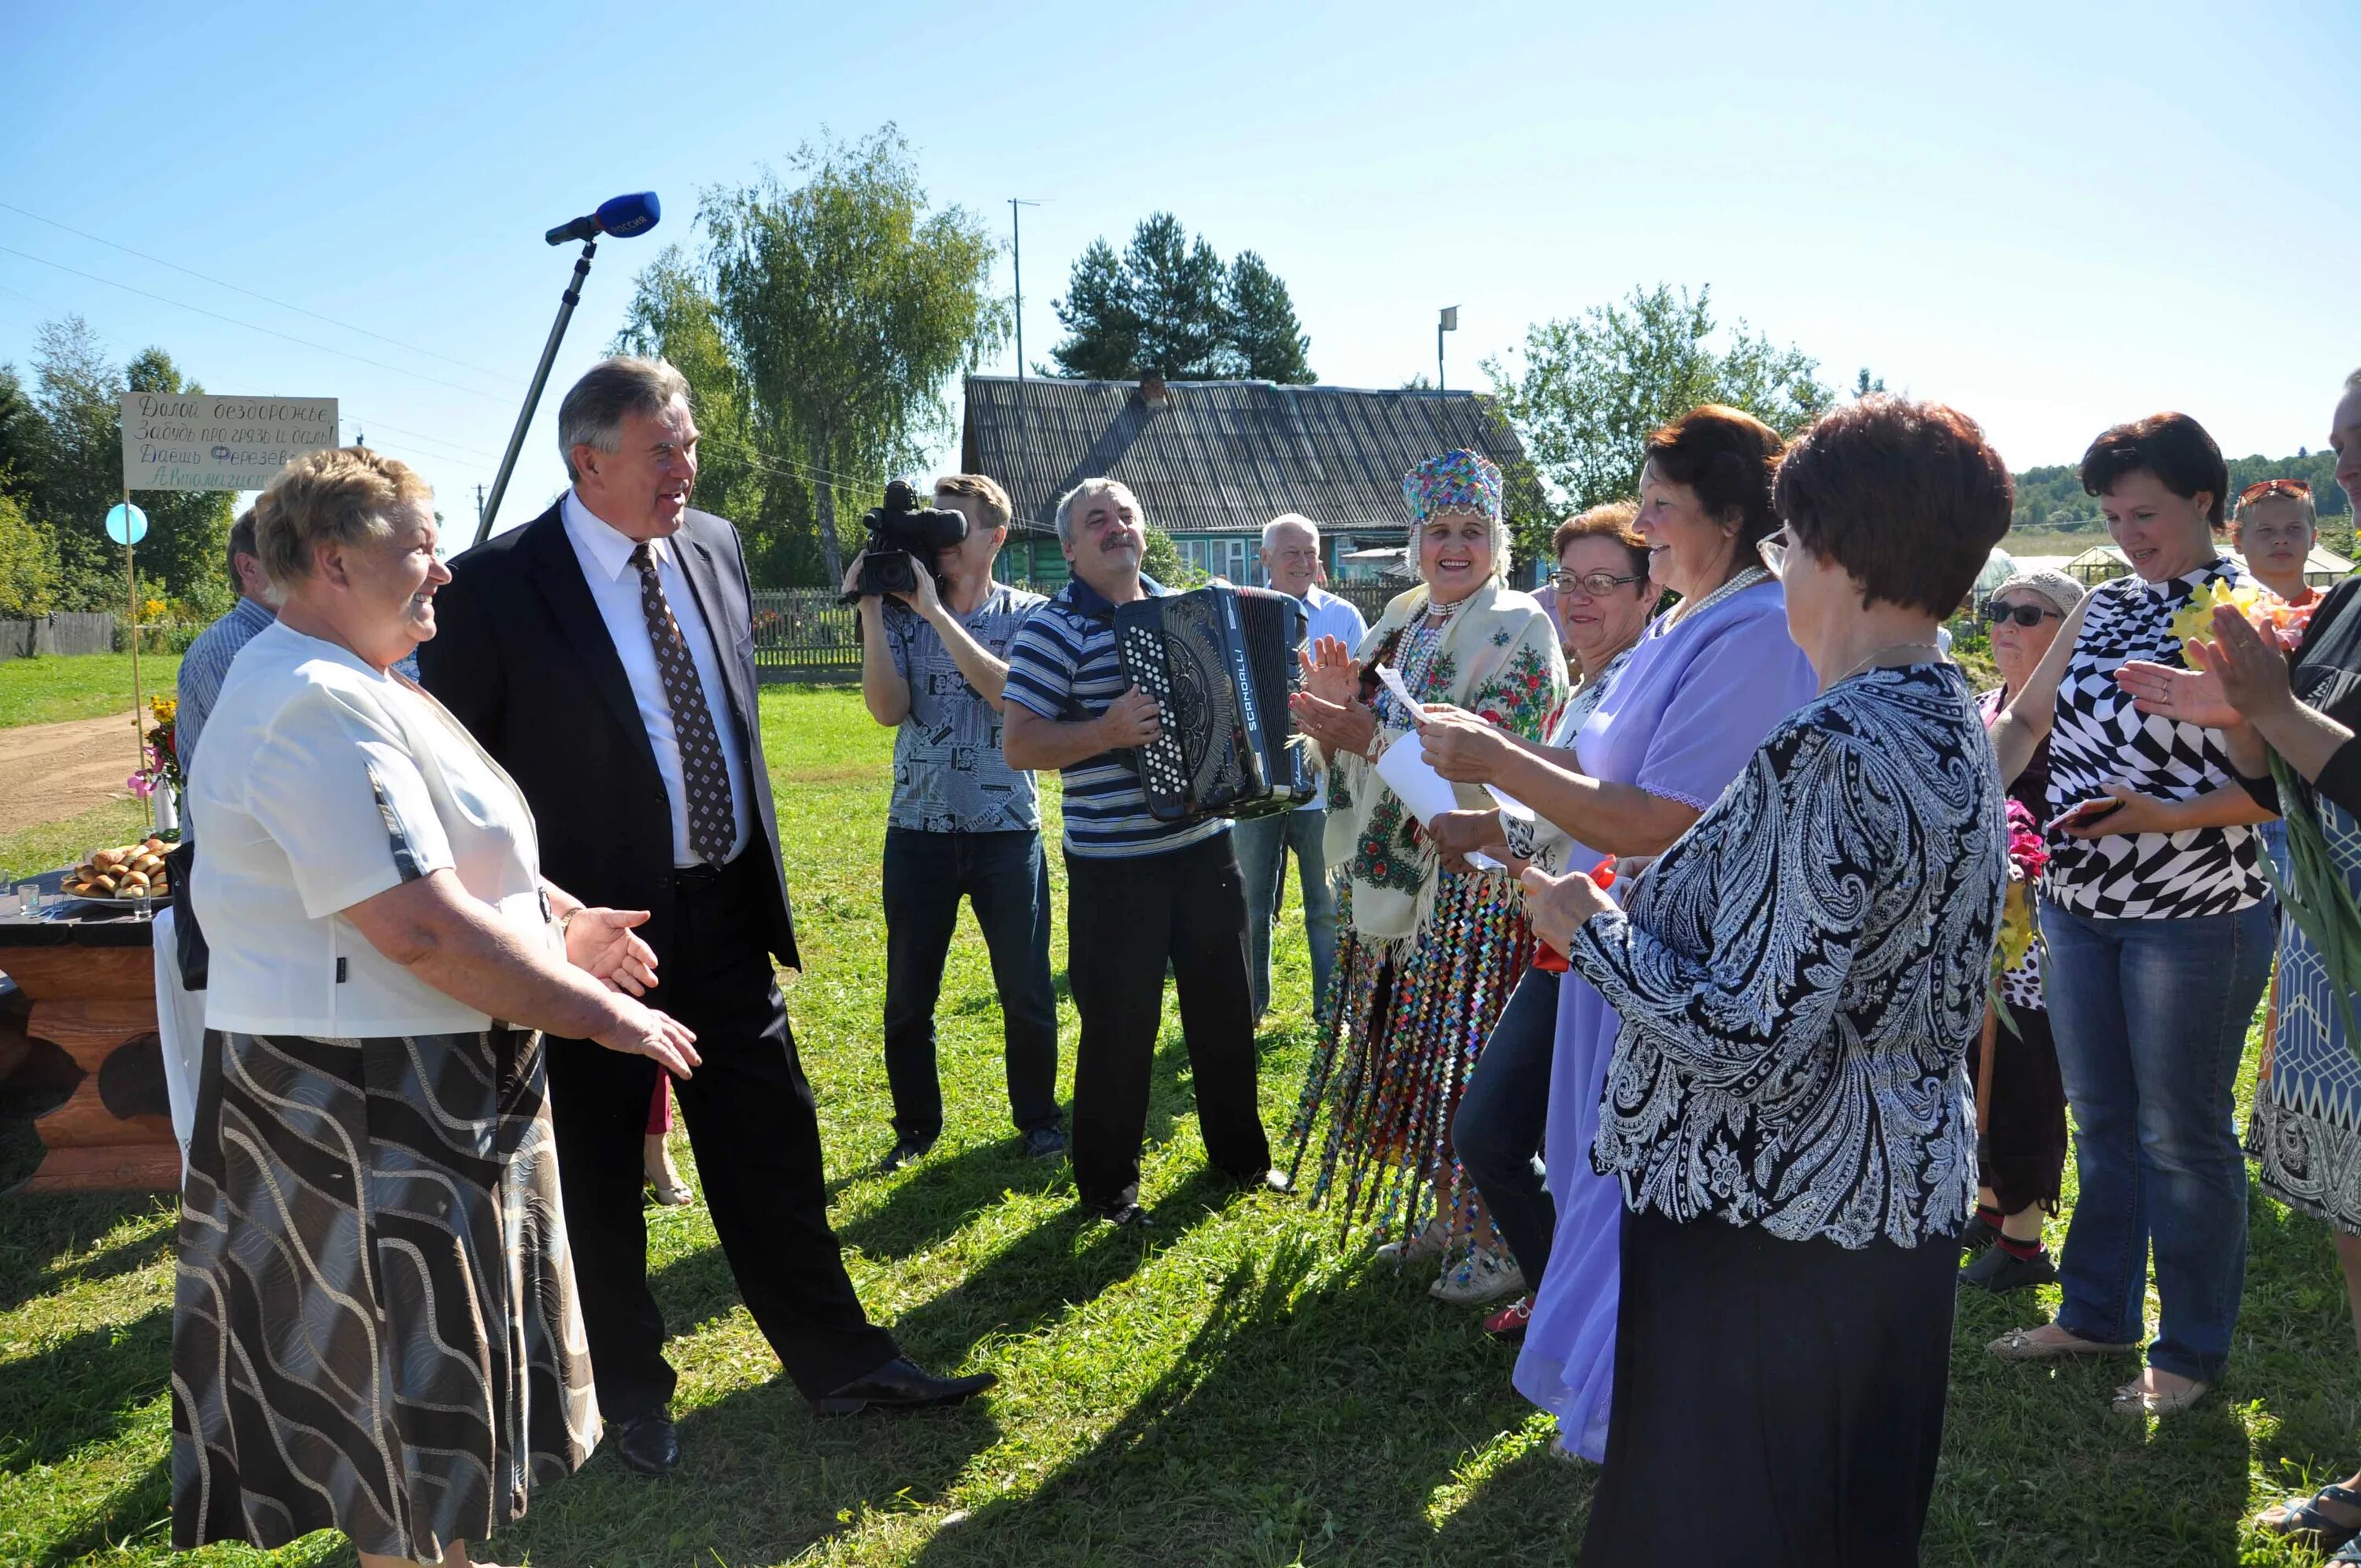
(1447, 322)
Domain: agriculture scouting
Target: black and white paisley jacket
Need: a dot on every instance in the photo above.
(1801, 976)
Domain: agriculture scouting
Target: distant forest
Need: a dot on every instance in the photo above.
(2050, 500)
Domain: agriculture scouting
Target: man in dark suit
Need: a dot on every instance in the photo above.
(604, 653)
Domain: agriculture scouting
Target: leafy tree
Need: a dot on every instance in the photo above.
(75, 446)
(28, 564)
(847, 309)
(1167, 303)
(1161, 560)
(1592, 386)
(673, 317)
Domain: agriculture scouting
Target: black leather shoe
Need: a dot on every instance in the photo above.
(901, 1385)
(1044, 1143)
(650, 1444)
(903, 1152)
(2001, 1271)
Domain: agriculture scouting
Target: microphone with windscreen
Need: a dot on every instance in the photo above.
(621, 217)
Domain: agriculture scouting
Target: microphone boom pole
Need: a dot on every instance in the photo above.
(623, 216)
(572, 297)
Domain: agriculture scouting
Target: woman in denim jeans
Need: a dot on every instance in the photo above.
(2159, 927)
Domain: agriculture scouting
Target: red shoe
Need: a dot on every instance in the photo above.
(1509, 1323)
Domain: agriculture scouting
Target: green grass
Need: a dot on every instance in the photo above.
(81, 685)
(53, 844)
(1238, 1387)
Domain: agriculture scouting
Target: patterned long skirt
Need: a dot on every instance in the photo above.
(2305, 1136)
(1406, 1023)
(375, 1328)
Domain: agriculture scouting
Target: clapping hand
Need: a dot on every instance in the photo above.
(1330, 670)
(2251, 673)
(1339, 727)
(602, 943)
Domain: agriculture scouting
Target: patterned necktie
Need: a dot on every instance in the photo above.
(712, 815)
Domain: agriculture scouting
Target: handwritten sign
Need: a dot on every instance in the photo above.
(200, 442)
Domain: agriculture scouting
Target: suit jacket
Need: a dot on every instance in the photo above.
(521, 656)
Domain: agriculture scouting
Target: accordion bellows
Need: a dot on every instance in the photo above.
(1220, 662)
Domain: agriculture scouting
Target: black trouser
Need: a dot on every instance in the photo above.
(1006, 877)
(1503, 1113)
(1125, 919)
(751, 1121)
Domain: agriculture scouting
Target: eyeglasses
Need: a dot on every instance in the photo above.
(1774, 552)
(2027, 615)
(1598, 585)
(2255, 492)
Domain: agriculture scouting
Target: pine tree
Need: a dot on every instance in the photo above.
(1167, 303)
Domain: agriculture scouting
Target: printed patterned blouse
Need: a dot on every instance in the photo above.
(1801, 977)
(2098, 737)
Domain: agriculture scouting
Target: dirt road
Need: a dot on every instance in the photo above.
(51, 772)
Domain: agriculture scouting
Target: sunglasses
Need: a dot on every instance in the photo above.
(1598, 585)
(1774, 551)
(2027, 615)
(2255, 492)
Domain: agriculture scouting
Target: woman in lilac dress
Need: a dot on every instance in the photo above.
(1696, 697)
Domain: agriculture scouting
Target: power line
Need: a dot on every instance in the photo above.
(249, 293)
(251, 326)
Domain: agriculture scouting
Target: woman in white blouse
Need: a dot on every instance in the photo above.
(375, 1329)
(1799, 980)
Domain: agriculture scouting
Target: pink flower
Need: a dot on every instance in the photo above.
(141, 785)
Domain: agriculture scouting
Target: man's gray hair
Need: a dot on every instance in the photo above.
(1083, 491)
(610, 391)
(1290, 519)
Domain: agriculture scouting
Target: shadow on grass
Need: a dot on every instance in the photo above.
(83, 1390)
(127, 1511)
(1285, 1431)
(41, 1230)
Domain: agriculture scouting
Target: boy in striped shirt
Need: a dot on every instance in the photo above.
(1140, 893)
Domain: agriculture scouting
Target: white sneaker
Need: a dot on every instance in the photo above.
(1485, 1276)
(1428, 1244)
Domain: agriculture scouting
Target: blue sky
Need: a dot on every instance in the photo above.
(2055, 216)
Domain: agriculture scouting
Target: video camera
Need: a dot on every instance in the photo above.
(902, 535)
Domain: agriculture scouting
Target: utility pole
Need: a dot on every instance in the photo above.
(480, 508)
(1017, 261)
(1447, 322)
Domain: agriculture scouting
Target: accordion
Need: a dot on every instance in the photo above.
(1220, 662)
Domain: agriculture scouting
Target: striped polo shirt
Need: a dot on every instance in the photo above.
(1062, 665)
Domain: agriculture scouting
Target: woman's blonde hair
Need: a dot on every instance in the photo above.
(340, 496)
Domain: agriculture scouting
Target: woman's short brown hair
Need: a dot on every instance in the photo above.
(1907, 496)
(1612, 521)
(2174, 448)
(341, 495)
(1726, 455)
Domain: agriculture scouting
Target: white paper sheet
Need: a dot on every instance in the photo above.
(1509, 804)
(1407, 773)
(1392, 678)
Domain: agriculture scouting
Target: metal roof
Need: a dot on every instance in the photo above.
(1222, 456)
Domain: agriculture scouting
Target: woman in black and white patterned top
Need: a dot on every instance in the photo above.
(1800, 978)
(2158, 924)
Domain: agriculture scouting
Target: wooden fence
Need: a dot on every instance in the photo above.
(57, 635)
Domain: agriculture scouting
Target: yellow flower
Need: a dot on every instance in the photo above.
(2015, 926)
(165, 708)
(2194, 622)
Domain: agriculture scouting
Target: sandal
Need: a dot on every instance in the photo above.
(2300, 1519)
(1429, 1243)
(2019, 1345)
(2348, 1555)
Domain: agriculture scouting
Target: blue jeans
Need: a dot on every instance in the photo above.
(1503, 1113)
(2151, 1020)
(1263, 843)
(1006, 877)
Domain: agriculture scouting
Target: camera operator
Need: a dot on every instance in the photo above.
(933, 662)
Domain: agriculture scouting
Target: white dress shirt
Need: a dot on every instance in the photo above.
(606, 557)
